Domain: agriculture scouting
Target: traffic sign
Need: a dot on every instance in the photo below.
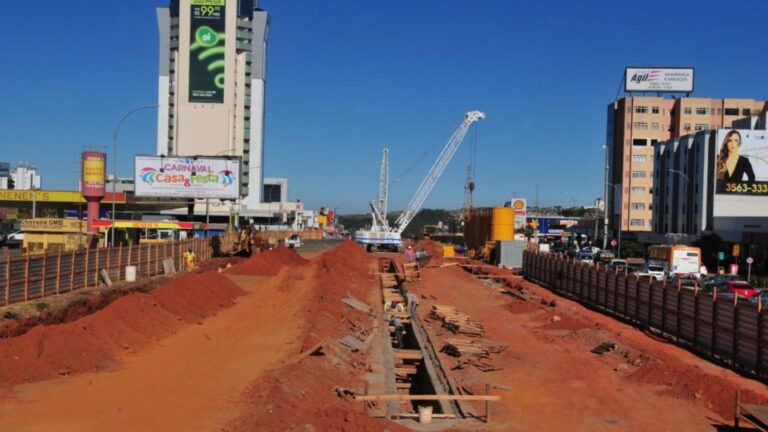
(750, 260)
(614, 243)
(721, 255)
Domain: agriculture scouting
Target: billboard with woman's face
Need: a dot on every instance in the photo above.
(741, 162)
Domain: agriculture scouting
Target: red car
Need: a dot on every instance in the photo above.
(740, 288)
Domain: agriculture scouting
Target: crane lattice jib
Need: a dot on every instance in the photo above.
(436, 171)
(384, 188)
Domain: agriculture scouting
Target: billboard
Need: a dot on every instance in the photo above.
(520, 207)
(206, 51)
(645, 79)
(187, 177)
(93, 174)
(741, 162)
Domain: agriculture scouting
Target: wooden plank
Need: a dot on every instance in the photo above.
(407, 354)
(443, 397)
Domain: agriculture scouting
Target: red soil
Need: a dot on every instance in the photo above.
(97, 341)
(433, 248)
(268, 263)
(299, 396)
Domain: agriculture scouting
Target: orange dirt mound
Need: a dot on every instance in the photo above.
(97, 341)
(268, 263)
(285, 399)
(433, 248)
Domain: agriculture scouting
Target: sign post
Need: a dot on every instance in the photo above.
(750, 260)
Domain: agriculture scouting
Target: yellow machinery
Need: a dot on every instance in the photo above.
(484, 227)
(43, 235)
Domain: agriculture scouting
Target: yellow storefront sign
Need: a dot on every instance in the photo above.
(93, 171)
(53, 225)
(46, 196)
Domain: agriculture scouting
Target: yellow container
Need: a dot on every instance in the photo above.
(503, 225)
(448, 251)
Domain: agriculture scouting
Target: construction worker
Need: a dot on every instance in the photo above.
(189, 258)
(409, 254)
(399, 329)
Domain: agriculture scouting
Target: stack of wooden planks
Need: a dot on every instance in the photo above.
(482, 348)
(457, 322)
(411, 272)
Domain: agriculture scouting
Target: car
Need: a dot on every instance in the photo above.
(618, 264)
(719, 280)
(741, 288)
(586, 257)
(684, 279)
(293, 241)
(15, 237)
(656, 271)
(762, 297)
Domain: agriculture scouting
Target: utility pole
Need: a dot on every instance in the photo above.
(605, 201)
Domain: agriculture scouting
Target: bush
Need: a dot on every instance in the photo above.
(41, 306)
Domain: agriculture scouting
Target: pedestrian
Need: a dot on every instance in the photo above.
(409, 254)
(399, 329)
(189, 258)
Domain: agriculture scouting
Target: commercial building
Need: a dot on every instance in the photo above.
(635, 125)
(211, 84)
(25, 177)
(696, 193)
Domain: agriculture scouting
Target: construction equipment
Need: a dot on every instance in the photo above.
(381, 235)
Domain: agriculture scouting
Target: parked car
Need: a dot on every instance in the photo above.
(15, 237)
(762, 296)
(557, 248)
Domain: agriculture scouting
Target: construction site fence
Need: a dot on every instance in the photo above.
(729, 331)
(31, 277)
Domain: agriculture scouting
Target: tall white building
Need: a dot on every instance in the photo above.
(211, 84)
(25, 177)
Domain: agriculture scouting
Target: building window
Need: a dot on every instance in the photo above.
(638, 206)
(639, 158)
(638, 174)
(639, 142)
(701, 126)
(638, 190)
(640, 125)
(636, 222)
(731, 111)
(650, 191)
(687, 110)
(641, 109)
(655, 110)
(702, 111)
(746, 111)
(655, 126)
(687, 127)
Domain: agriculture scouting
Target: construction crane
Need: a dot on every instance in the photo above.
(381, 235)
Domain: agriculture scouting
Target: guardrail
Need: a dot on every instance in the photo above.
(36, 276)
(728, 331)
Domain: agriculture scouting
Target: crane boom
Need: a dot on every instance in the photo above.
(384, 188)
(436, 171)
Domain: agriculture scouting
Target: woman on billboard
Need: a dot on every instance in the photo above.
(730, 166)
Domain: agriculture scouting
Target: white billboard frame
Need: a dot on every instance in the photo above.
(659, 79)
(192, 177)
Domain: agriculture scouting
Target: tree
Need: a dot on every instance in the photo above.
(632, 249)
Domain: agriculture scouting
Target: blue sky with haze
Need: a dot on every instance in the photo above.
(347, 78)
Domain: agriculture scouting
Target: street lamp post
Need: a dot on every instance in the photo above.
(618, 249)
(114, 159)
(605, 200)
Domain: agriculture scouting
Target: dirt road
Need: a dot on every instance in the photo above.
(191, 381)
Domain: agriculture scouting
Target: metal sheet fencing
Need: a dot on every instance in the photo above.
(37, 276)
(727, 331)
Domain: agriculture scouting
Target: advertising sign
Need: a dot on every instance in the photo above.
(741, 162)
(187, 177)
(93, 172)
(671, 80)
(520, 207)
(206, 51)
(52, 225)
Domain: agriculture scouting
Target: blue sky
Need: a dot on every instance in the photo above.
(347, 78)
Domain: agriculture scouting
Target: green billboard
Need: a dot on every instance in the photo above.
(206, 51)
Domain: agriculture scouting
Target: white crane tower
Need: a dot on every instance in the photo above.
(381, 235)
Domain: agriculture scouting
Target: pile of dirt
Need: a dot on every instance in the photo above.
(285, 399)
(97, 341)
(268, 263)
(688, 382)
(433, 248)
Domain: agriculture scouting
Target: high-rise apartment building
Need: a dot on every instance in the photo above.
(635, 125)
(211, 84)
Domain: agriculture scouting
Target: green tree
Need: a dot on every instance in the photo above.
(632, 249)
